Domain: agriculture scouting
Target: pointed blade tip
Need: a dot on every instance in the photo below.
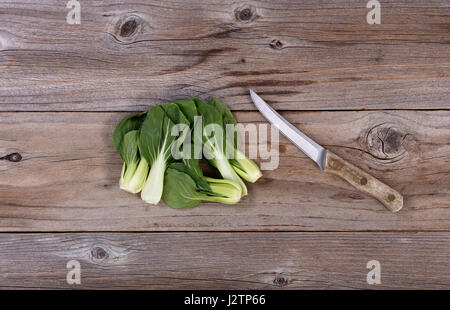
(313, 150)
(254, 97)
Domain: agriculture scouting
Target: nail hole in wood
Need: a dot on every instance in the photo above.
(391, 197)
(363, 181)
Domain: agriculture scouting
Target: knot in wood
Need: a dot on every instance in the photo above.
(386, 141)
(99, 254)
(245, 14)
(127, 28)
(13, 157)
(280, 281)
(276, 44)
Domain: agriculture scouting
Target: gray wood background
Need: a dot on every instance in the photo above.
(377, 95)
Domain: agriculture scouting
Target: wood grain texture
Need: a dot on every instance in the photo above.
(226, 260)
(59, 171)
(67, 179)
(364, 182)
(299, 55)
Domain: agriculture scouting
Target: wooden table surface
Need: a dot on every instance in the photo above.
(377, 95)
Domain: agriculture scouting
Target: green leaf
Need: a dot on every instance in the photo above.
(181, 191)
(128, 149)
(192, 168)
(244, 167)
(129, 123)
(227, 116)
(210, 117)
(126, 141)
(156, 145)
(214, 143)
(232, 135)
(175, 114)
(155, 138)
(187, 106)
(135, 168)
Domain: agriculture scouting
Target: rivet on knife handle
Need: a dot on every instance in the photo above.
(363, 181)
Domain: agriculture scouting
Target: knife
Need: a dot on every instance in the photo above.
(330, 162)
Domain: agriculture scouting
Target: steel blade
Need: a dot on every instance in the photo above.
(313, 150)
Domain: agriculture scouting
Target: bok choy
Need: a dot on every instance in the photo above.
(158, 163)
(126, 141)
(135, 168)
(182, 191)
(157, 143)
(214, 142)
(244, 166)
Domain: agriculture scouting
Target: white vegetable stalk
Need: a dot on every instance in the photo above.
(133, 178)
(230, 192)
(246, 167)
(227, 172)
(153, 188)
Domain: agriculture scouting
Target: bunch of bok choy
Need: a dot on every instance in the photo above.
(159, 163)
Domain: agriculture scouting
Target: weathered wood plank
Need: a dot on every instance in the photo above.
(301, 55)
(67, 179)
(226, 260)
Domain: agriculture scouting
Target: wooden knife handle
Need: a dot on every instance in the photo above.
(363, 181)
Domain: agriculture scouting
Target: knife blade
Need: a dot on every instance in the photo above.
(313, 150)
(330, 162)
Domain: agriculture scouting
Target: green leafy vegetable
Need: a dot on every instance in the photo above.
(214, 141)
(129, 123)
(182, 191)
(125, 140)
(160, 165)
(135, 169)
(245, 167)
(157, 144)
(187, 106)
